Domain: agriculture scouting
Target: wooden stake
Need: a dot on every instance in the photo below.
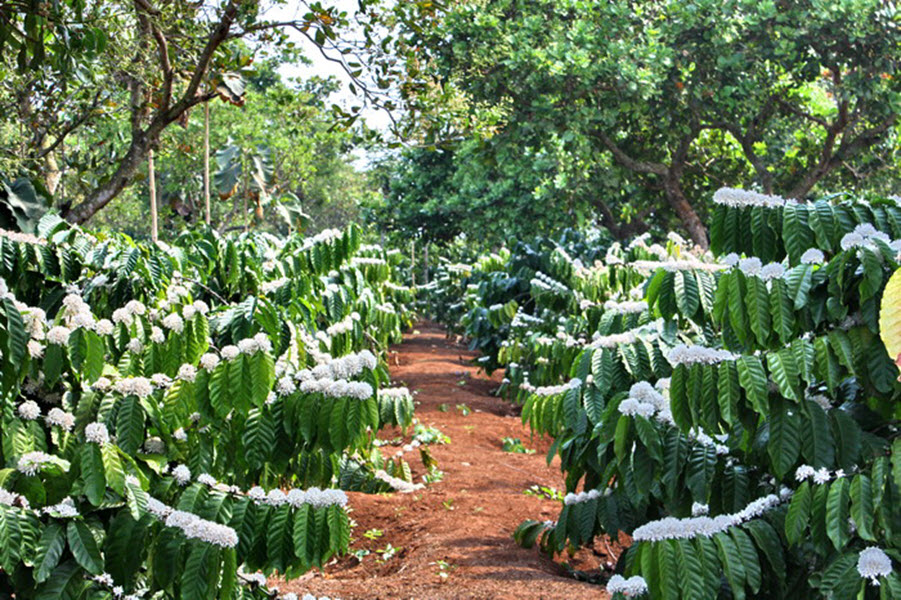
(154, 232)
(206, 159)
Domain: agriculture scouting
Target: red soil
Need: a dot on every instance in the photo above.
(467, 520)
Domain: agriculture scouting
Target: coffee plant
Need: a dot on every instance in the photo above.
(733, 412)
(174, 418)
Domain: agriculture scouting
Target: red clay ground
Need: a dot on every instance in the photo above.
(466, 520)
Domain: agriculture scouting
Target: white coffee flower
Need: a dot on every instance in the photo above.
(135, 346)
(29, 410)
(60, 418)
(180, 435)
(874, 563)
(813, 256)
(101, 385)
(160, 380)
(630, 588)
(248, 346)
(104, 327)
(35, 349)
(31, 463)
(230, 352)
(209, 361)
(182, 475)
(59, 335)
(174, 322)
(187, 372)
(96, 433)
(121, 315)
(156, 335)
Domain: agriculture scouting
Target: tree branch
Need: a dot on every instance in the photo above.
(650, 168)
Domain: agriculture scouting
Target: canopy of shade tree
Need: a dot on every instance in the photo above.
(545, 114)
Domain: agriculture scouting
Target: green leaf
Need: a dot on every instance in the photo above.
(798, 514)
(130, 425)
(837, 513)
(754, 381)
(862, 509)
(784, 443)
(84, 547)
(691, 574)
(92, 473)
(49, 550)
(758, 304)
(732, 563)
(817, 444)
(750, 559)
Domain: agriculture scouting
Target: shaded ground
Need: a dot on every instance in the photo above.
(464, 524)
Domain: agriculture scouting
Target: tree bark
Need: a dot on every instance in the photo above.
(125, 172)
(144, 138)
(672, 187)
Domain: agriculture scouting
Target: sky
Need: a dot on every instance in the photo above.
(320, 66)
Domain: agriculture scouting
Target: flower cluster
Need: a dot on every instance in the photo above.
(818, 476)
(31, 463)
(689, 355)
(29, 410)
(314, 496)
(630, 588)
(134, 386)
(126, 314)
(625, 308)
(736, 198)
(551, 390)
(187, 372)
(676, 265)
(398, 392)
(324, 236)
(873, 563)
(96, 433)
(22, 238)
(571, 498)
(671, 528)
(548, 283)
(65, 509)
(209, 361)
(813, 256)
(192, 526)
(864, 236)
(59, 335)
(258, 343)
(8, 498)
(344, 367)
(60, 418)
(646, 401)
(345, 325)
(339, 388)
(359, 261)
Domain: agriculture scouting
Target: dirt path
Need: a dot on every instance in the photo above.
(466, 520)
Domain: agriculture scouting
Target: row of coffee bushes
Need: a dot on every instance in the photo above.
(733, 411)
(174, 417)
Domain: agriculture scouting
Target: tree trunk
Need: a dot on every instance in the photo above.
(690, 219)
(125, 172)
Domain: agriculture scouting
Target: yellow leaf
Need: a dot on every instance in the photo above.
(890, 316)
